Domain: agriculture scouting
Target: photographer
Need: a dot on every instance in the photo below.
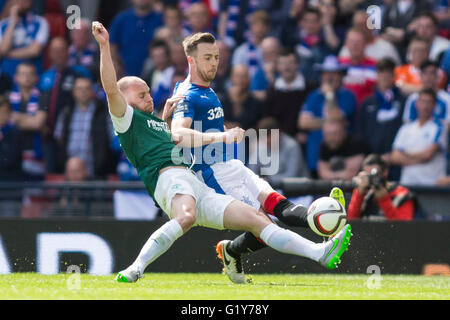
(375, 198)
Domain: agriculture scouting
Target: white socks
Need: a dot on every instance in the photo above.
(158, 243)
(280, 239)
(286, 241)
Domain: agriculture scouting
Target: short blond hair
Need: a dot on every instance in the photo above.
(190, 43)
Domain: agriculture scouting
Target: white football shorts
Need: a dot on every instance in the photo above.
(235, 179)
(210, 205)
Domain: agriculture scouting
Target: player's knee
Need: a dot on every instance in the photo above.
(187, 220)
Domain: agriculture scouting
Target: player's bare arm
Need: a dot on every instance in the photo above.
(116, 102)
(193, 138)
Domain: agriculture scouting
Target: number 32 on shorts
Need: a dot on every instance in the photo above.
(215, 113)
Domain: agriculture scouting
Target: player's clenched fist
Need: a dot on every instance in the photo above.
(100, 33)
(234, 135)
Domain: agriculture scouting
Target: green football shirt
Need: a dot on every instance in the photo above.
(147, 142)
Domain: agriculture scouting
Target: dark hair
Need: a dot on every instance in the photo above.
(268, 123)
(428, 63)
(171, 6)
(429, 92)
(190, 43)
(159, 43)
(309, 10)
(386, 64)
(289, 51)
(82, 77)
(429, 15)
(375, 159)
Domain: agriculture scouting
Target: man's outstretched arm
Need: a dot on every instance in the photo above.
(116, 101)
(194, 138)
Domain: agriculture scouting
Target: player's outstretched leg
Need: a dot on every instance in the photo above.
(328, 254)
(286, 211)
(279, 206)
(183, 212)
(239, 216)
(158, 243)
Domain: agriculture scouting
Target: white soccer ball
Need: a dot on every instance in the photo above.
(326, 216)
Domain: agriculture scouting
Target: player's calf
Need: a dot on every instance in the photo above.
(286, 211)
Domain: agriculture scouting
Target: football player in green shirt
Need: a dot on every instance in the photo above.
(149, 146)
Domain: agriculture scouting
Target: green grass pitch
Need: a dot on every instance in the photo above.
(201, 286)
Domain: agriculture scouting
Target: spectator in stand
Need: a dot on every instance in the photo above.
(265, 75)
(328, 12)
(429, 74)
(29, 117)
(76, 170)
(381, 114)
(159, 76)
(23, 37)
(407, 76)
(289, 160)
(198, 18)
(10, 145)
(420, 146)
(131, 32)
(71, 200)
(377, 47)
(279, 11)
(361, 70)
(249, 52)
(240, 108)
(56, 85)
(84, 130)
(233, 25)
(173, 18)
(341, 154)
(397, 19)
(332, 28)
(211, 5)
(426, 27)
(296, 8)
(375, 198)
(285, 98)
(178, 57)
(82, 50)
(441, 10)
(221, 82)
(330, 100)
(310, 41)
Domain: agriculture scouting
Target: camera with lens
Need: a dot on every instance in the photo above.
(376, 178)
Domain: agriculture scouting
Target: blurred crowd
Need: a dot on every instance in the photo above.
(340, 79)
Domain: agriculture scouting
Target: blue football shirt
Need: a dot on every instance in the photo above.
(203, 106)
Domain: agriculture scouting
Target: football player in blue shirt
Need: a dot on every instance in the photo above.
(196, 117)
